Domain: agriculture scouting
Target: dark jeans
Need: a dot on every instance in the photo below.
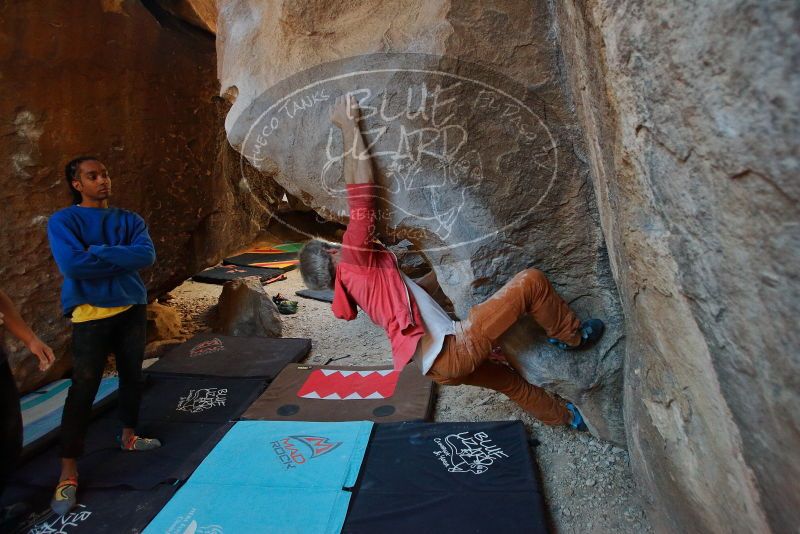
(10, 422)
(124, 335)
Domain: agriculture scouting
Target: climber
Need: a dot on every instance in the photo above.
(99, 251)
(10, 416)
(364, 273)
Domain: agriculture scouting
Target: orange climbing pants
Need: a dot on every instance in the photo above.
(464, 358)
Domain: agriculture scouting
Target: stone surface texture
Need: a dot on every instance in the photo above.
(673, 131)
(163, 322)
(643, 154)
(104, 77)
(690, 113)
(245, 309)
(501, 201)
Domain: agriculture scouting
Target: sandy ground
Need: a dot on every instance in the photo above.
(587, 482)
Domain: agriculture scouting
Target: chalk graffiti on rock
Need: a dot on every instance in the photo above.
(441, 138)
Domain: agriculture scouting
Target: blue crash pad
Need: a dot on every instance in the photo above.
(42, 409)
(271, 476)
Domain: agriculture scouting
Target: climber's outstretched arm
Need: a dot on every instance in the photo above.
(346, 114)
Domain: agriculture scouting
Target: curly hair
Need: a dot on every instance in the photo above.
(316, 264)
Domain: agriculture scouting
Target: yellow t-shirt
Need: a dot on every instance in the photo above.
(87, 312)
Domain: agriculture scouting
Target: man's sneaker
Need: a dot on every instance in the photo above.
(136, 443)
(577, 419)
(591, 331)
(65, 496)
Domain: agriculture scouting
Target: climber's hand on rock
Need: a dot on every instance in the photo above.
(345, 112)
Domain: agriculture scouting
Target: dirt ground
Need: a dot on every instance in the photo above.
(587, 482)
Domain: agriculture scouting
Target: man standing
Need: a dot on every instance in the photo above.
(10, 416)
(99, 251)
(363, 273)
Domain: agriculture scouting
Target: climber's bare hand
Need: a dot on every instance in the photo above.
(345, 112)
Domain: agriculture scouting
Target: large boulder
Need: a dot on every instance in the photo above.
(245, 309)
(477, 151)
(690, 113)
(105, 78)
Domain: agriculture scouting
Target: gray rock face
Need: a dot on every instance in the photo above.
(245, 309)
(477, 158)
(690, 113)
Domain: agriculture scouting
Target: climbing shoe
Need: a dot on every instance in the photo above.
(65, 496)
(137, 443)
(577, 419)
(285, 306)
(591, 331)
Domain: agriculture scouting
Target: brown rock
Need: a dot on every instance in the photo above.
(245, 309)
(200, 13)
(156, 349)
(163, 322)
(141, 97)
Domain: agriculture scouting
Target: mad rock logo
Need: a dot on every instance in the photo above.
(200, 400)
(207, 347)
(294, 451)
(468, 453)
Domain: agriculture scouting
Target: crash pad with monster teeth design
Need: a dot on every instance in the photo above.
(340, 393)
(347, 384)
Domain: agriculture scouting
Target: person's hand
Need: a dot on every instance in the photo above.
(345, 112)
(43, 352)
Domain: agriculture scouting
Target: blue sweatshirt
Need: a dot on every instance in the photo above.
(99, 251)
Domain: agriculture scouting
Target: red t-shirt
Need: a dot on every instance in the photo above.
(368, 277)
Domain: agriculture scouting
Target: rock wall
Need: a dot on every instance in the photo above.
(104, 77)
(690, 114)
(487, 179)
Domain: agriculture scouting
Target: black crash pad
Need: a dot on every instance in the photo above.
(193, 399)
(105, 465)
(341, 393)
(450, 477)
(99, 511)
(210, 354)
(225, 273)
(324, 295)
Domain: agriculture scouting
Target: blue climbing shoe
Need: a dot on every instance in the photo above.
(577, 419)
(591, 331)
